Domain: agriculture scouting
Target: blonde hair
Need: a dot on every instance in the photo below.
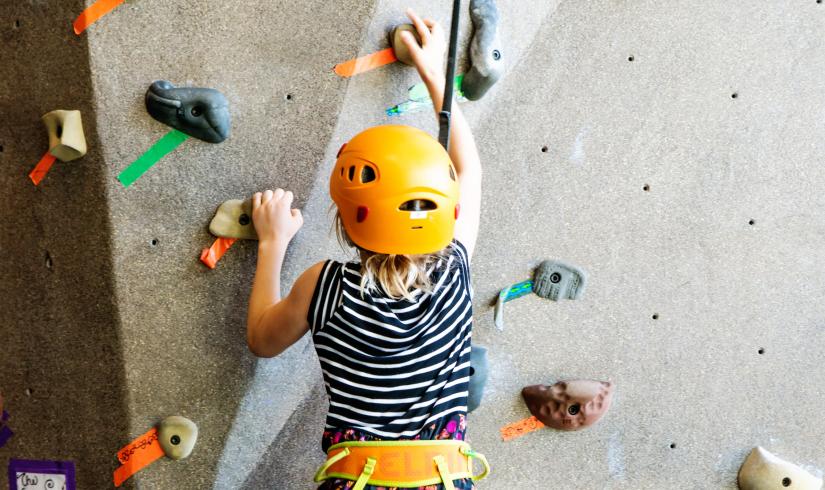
(397, 274)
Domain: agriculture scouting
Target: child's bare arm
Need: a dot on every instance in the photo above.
(274, 324)
(429, 59)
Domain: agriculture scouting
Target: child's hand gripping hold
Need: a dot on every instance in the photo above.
(273, 217)
(429, 56)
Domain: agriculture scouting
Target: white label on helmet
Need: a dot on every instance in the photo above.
(418, 215)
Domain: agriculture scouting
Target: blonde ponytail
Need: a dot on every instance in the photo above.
(398, 275)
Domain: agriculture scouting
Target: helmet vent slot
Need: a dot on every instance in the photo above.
(367, 174)
(418, 205)
(351, 173)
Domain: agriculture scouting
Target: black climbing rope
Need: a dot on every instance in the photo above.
(446, 107)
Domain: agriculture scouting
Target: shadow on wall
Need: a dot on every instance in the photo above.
(62, 364)
(293, 439)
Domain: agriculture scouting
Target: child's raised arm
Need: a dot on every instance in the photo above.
(429, 60)
(272, 325)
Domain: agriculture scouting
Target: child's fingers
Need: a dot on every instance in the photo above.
(256, 201)
(296, 213)
(287, 199)
(422, 28)
(411, 42)
(435, 28)
(267, 196)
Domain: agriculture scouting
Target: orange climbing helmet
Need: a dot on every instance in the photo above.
(396, 191)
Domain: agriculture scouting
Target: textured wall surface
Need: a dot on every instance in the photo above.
(674, 150)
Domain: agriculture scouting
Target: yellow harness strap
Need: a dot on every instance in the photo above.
(403, 464)
(365, 475)
(444, 472)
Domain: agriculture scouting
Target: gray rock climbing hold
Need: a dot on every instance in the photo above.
(555, 279)
(202, 113)
(398, 46)
(177, 436)
(67, 141)
(234, 220)
(764, 471)
(479, 369)
(485, 50)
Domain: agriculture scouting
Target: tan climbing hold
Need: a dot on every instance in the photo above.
(66, 139)
(764, 471)
(177, 436)
(398, 46)
(234, 220)
(569, 405)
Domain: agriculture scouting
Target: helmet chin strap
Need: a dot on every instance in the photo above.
(446, 107)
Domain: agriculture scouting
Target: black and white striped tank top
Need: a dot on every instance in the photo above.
(391, 367)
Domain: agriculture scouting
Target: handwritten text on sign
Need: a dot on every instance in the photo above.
(40, 481)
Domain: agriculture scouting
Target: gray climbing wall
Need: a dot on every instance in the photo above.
(672, 149)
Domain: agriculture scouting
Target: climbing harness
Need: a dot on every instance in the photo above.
(403, 464)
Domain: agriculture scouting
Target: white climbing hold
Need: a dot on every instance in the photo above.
(764, 471)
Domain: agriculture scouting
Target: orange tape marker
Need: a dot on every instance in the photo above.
(366, 63)
(93, 13)
(42, 168)
(210, 256)
(520, 428)
(138, 454)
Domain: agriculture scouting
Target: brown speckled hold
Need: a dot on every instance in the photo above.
(177, 436)
(569, 405)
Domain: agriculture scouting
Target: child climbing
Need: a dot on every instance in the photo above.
(392, 330)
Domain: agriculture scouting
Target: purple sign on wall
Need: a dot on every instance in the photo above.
(5, 432)
(41, 475)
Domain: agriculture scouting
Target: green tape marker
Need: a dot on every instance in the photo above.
(409, 106)
(419, 98)
(163, 147)
(419, 91)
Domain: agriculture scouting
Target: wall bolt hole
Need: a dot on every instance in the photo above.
(761, 351)
(655, 316)
(752, 222)
(17, 24)
(154, 242)
(630, 58)
(734, 95)
(29, 391)
(646, 188)
(288, 96)
(672, 445)
(544, 149)
(48, 261)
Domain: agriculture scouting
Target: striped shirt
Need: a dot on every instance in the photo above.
(391, 367)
